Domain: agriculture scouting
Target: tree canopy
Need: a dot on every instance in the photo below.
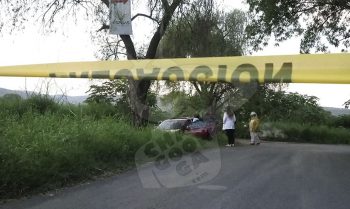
(17, 14)
(205, 31)
(320, 23)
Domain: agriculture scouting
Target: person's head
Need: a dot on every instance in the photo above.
(196, 116)
(229, 111)
(253, 115)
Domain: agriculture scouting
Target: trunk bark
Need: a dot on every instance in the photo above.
(138, 89)
(138, 101)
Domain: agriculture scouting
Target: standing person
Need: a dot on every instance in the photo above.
(253, 129)
(229, 121)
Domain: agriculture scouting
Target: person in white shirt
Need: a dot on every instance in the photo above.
(229, 121)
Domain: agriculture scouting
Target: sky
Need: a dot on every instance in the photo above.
(32, 46)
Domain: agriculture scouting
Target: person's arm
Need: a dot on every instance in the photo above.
(225, 118)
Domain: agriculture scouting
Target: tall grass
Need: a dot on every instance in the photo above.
(44, 148)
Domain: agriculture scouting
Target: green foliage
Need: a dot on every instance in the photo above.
(109, 92)
(13, 104)
(100, 110)
(12, 97)
(50, 150)
(296, 132)
(157, 116)
(182, 104)
(43, 150)
(114, 95)
(342, 121)
(203, 31)
(318, 22)
(272, 105)
(347, 104)
(42, 103)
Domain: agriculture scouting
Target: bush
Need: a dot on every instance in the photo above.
(296, 132)
(98, 110)
(41, 103)
(13, 104)
(342, 121)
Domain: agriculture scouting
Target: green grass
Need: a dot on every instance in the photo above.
(47, 148)
(296, 132)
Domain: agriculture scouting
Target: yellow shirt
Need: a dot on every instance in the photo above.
(254, 124)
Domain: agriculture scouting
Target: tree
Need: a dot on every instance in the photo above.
(159, 11)
(320, 23)
(115, 93)
(111, 92)
(347, 104)
(204, 31)
(278, 105)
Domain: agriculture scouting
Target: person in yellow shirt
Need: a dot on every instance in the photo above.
(253, 129)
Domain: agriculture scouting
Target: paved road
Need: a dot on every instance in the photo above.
(272, 175)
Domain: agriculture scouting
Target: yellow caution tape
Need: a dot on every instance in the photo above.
(323, 68)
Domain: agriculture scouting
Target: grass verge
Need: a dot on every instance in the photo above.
(40, 152)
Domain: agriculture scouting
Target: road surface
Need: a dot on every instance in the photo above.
(269, 176)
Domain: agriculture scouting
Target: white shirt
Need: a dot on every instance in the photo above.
(228, 123)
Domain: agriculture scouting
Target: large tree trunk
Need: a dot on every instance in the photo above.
(138, 91)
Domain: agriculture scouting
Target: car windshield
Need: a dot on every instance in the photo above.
(171, 124)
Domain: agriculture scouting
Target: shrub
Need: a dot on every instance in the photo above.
(296, 132)
(42, 103)
(342, 121)
(13, 105)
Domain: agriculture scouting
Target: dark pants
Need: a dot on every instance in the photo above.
(230, 133)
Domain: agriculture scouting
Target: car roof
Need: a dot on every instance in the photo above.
(179, 119)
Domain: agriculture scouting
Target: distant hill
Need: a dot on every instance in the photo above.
(61, 98)
(23, 94)
(337, 111)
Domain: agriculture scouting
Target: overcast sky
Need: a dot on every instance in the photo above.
(32, 47)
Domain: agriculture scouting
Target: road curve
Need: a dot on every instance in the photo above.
(269, 176)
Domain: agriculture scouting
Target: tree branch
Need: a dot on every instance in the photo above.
(129, 45)
(165, 5)
(164, 23)
(106, 2)
(144, 15)
(196, 87)
(103, 27)
(212, 87)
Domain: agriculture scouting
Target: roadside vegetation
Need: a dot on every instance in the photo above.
(46, 145)
(305, 133)
(293, 117)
